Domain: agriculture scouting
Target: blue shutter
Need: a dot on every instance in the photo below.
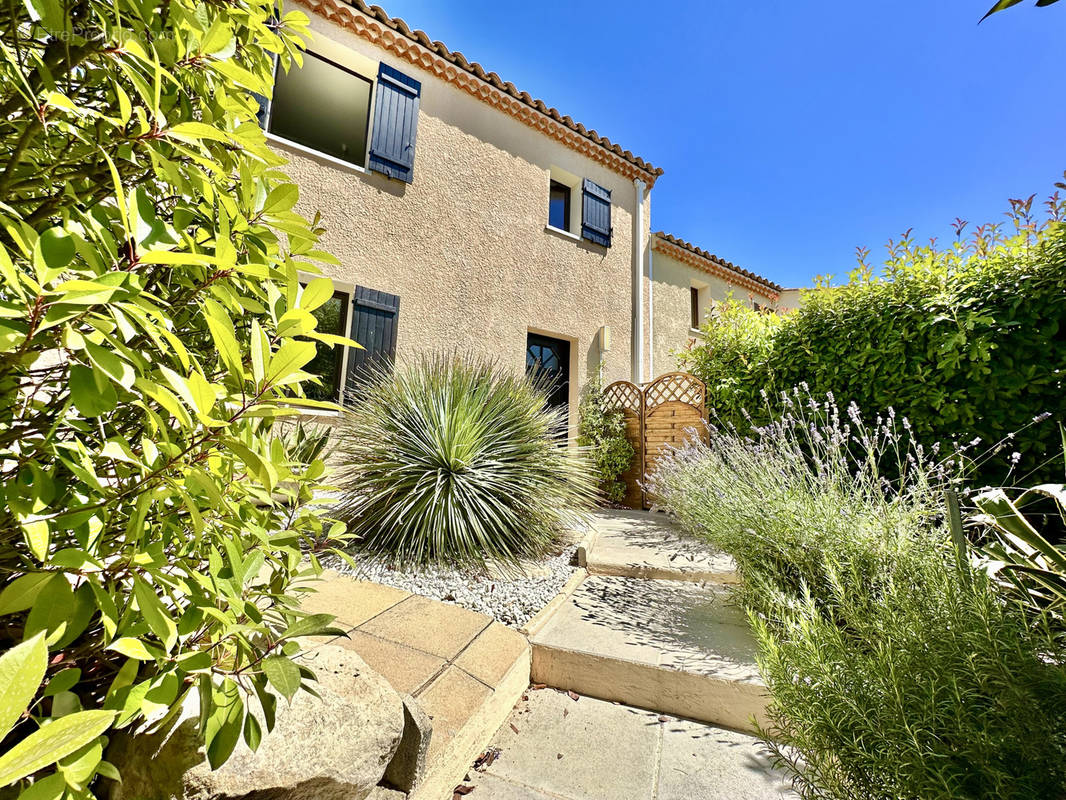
(596, 213)
(392, 146)
(374, 317)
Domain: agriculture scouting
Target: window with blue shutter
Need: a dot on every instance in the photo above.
(392, 143)
(374, 318)
(596, 213)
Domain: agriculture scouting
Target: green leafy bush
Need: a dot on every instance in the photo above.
(895, 669)
(732, 359)
(602, 432)
(454, 459)
(152, 328)
(967, 342)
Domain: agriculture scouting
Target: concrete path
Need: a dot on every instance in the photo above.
(653, 626)
(553, 747)
(641, 544)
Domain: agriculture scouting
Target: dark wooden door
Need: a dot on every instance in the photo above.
(548, 360)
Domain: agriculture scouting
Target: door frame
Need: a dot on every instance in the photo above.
(575, 383)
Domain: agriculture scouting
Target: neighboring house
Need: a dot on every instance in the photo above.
(686, 282)
(466, 214)
(790, 299)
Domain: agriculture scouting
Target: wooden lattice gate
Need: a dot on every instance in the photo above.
(665, 413)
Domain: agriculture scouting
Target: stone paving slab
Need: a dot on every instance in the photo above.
(463, 669)
(643, 544)
(555, 748)
(661, 623)
(671, 646)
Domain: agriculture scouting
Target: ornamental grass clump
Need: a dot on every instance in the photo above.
(895, 667)
(456, 460)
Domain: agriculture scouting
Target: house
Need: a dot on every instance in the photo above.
(468, 215)
(685, 284)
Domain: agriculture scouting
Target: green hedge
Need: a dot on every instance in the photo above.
(966, 343)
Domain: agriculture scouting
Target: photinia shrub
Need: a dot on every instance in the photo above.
(968, 343)
(153, 327)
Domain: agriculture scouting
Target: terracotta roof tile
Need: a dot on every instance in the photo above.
(491, 78)
(721, 262)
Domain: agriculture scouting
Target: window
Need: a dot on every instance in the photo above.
(322, 106)
(559, 206)
(332, 318)
(694, 306)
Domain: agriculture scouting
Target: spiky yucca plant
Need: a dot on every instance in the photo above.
(453, 459)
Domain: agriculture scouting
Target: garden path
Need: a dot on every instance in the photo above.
(651, 646)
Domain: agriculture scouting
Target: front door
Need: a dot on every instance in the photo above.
(549, 360)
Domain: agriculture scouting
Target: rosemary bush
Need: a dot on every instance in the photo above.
(457, 460)
(894, 667)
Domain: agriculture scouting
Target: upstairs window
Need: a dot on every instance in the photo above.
(323, 106)
(694, 307)
(559, 206)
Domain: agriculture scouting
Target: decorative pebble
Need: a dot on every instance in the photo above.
(510, 599)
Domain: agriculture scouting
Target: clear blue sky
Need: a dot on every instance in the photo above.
(792, 131)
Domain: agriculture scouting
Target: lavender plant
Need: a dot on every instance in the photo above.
(894, 667)
(812, 482)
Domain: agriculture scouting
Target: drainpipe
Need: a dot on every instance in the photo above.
(638, 284)
(651, 314)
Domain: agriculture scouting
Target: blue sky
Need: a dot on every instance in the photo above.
(792, 131)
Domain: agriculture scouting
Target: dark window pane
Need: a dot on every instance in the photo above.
(694, 301)
(332, 316)
(559, 206)
(324, 107)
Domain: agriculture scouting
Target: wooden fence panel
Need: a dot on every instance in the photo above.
(668, 412)
(675, 412)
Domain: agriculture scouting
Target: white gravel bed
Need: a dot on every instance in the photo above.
(512, 600)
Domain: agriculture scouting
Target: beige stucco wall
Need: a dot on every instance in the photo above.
(465, 246)
(790, 300)
(671, 310)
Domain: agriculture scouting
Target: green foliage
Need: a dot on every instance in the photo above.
(895, 670)
(602, 432)
(1005, 4)
(733, 357)
(452, 459)
(152, 329)
(967, 343)
(1030, 568)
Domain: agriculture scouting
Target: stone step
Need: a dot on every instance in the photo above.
(459, 672)
(643, 544)
(675, 647)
